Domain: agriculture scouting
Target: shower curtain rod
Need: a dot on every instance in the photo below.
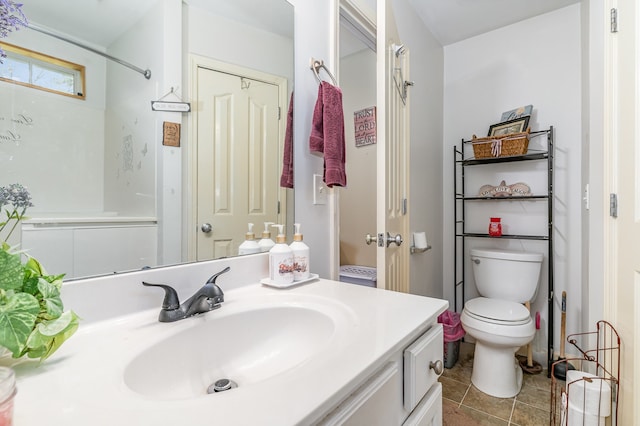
(146, 73)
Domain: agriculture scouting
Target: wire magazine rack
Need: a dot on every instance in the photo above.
(589, 395)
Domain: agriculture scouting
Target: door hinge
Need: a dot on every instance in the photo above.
(404, 206)
(614, 20)
(279, 112)
(278, 207)
(613, 205)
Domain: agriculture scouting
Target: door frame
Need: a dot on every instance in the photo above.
(619, 49)
(191, 201)
(367, 24)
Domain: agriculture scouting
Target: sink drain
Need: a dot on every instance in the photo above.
(221, 385)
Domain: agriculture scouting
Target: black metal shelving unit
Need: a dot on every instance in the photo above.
(461, 233)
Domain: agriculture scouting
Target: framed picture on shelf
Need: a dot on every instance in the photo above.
(517, 113)
(511, 126)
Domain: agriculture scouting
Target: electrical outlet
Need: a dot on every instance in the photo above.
(319, 190)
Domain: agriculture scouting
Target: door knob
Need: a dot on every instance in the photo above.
(371, 239)
(397, 240)
(206, 228)
(380, 239)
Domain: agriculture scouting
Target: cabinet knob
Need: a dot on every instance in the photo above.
(437, 367)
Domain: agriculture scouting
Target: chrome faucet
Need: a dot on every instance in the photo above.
(207, 298)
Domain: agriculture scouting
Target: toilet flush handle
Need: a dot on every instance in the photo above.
(476, 261)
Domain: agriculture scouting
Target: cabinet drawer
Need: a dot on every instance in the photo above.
(422, 366)
(429, 411)
(373, 403)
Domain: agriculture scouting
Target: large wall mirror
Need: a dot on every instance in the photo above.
(113, 190)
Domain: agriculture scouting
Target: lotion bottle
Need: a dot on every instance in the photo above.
(300, 256)
(250, 245)
(280, 260)
(266, 242)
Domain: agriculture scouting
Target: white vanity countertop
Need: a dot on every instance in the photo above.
(83, 383)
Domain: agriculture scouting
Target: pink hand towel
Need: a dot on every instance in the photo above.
(286, 179)
(327, 133)
(334, 140)
(316, 140)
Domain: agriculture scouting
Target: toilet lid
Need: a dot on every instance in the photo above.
(498, 310)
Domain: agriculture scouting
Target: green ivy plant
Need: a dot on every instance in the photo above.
(32, 318)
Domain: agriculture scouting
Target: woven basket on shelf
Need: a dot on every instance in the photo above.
(511, 144)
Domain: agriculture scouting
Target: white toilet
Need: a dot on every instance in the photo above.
(498, 320)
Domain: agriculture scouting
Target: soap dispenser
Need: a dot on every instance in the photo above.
(300, 256)
(250, 245)
(280, 260)
(266, 242)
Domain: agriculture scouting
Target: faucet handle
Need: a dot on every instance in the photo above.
(213, 278)
(171, 300)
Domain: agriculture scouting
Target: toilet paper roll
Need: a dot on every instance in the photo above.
(577, 417)
(588, 392)
(420, 240)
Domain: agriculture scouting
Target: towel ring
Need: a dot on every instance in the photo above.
(316, 65)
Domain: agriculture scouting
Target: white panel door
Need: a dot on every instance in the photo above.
(393, 150)
(238, 160)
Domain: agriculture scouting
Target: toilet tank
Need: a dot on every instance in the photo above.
(505, 274)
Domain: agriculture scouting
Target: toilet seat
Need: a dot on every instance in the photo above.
(499, 312)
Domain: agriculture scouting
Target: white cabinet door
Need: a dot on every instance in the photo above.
(422, 366)
(429, 411)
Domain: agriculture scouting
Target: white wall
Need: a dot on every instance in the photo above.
(594, 217)
(313, 35)
(237, 43)
(537, 61)
(169, 162)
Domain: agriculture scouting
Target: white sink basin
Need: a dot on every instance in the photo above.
(246, 347)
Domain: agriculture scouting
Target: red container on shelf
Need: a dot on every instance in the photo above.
(495, 227)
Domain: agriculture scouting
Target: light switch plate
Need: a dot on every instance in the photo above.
(319, 190)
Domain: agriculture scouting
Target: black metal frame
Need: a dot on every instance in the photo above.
(460, 233)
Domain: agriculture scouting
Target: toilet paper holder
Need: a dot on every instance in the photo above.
(414, 249)
(419, 243)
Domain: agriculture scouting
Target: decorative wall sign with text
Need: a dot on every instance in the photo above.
(170, 134)
(170, 106)
(365, 126)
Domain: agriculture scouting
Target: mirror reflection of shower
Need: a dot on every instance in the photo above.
(131, 185)
(357, 70)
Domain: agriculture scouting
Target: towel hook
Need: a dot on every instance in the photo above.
(316, 65)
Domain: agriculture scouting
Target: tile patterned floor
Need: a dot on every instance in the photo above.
(529, 408)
